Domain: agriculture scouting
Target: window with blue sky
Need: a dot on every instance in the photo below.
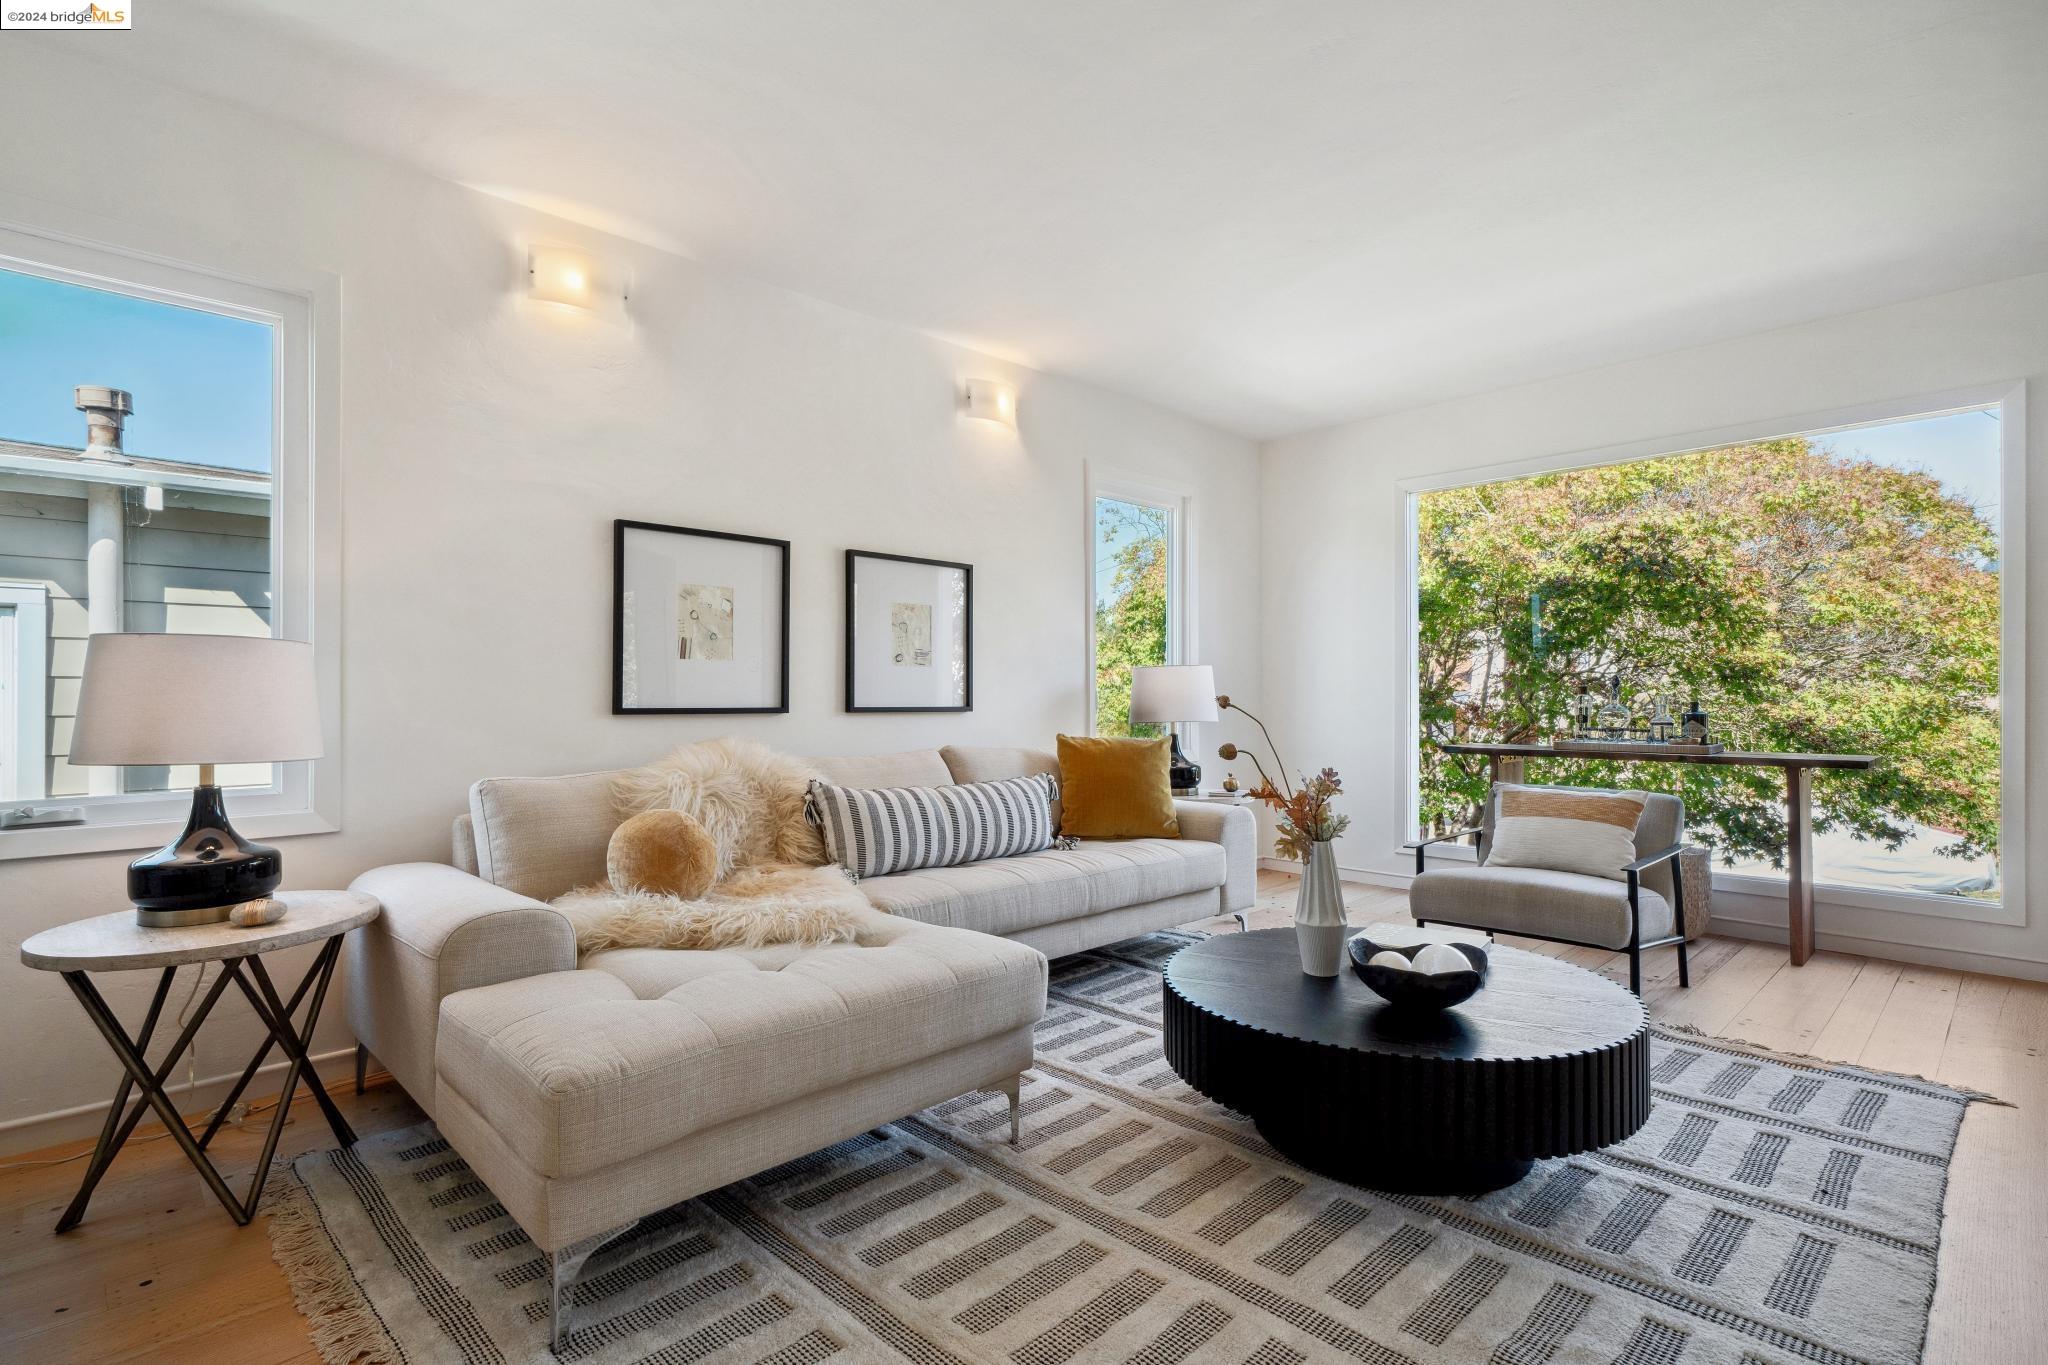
(201, 380)
(91, 544)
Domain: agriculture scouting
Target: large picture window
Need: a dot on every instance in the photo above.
(155, 475)
(1837, 590)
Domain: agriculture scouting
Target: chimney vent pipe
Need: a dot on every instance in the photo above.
(105, 411)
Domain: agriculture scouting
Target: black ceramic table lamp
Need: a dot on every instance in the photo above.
(1175, 694)
(204, 700)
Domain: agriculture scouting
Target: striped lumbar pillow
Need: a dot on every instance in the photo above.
(1590, 832)
(873, 831)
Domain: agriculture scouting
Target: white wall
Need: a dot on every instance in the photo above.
(487, 444)
(1333, 578)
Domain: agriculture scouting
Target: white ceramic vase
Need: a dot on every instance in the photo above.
(1319, 928)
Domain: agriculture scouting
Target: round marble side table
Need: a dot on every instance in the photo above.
(116, 943)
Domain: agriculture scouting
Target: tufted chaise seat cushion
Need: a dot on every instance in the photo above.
(583, 1069)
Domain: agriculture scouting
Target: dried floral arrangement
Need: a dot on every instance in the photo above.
(1307, 816)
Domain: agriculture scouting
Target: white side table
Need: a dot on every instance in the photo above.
(116, 943)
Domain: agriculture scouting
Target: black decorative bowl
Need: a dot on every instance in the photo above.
(1417, 990)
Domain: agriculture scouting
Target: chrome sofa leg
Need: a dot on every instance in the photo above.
(561, 1273)
(1014, 1088)
(564, 1264)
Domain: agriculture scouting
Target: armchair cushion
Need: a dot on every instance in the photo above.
(1662, 825)
(1537, 901)
(1589, 832)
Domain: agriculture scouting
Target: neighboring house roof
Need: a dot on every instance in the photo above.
(129, 470)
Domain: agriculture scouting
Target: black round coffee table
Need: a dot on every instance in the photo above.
(1548, 1059)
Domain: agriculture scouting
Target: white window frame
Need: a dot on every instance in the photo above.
(2010, 397)
(302, 308)
(27, 729)
(1179, 505)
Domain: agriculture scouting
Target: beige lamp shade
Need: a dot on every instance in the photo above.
(196, 699)
(1173, 694)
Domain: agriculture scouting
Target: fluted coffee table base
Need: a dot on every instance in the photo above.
(1548, 1059)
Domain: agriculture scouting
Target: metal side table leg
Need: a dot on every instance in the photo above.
(222, 1110)
(103, 1150)
(152, 1084)
(277, 1016)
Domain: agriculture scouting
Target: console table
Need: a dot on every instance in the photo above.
(1506, 765)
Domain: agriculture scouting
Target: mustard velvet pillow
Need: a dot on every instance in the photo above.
(1116, 789)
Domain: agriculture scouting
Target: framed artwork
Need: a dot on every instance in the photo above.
(700, 621)
(909, 633)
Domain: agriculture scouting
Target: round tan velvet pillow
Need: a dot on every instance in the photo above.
(663, 851)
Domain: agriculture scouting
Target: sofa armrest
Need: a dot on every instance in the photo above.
(442, 931)
(1237, 829)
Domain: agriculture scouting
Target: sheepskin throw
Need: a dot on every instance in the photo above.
(768, 885)
(753, 908)
(749, 797)
(875, 831)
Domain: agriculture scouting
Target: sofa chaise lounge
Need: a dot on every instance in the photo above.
(588, 1094)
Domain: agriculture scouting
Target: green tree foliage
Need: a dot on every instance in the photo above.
(1130, 620)
(1811, 601)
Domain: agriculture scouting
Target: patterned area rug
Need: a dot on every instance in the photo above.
(1771, 1211)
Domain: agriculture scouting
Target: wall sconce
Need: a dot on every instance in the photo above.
(558, 275)
(992, 400)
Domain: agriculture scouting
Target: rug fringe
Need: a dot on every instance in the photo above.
(345, 1328)
(1808, 1060)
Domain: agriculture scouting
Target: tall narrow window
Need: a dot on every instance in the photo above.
(1834, 591)
(142, 429)
(1138, 593)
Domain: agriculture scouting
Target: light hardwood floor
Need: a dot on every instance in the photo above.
(157, 1272)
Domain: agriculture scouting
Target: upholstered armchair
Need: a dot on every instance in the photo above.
(1644, 908)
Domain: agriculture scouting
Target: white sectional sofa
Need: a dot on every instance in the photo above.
(590, 1093)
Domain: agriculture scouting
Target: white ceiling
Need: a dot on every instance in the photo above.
(1272, 216)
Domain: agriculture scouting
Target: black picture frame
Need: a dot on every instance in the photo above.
(620, 527)
(853, 703)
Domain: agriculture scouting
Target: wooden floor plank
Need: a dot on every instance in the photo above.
(1997, 1043)
(1910, 1036)
(1848, 1030)
(157, 1271)
(1719, 996)
(1789, 1013)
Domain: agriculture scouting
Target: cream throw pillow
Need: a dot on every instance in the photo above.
(1589, 832)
